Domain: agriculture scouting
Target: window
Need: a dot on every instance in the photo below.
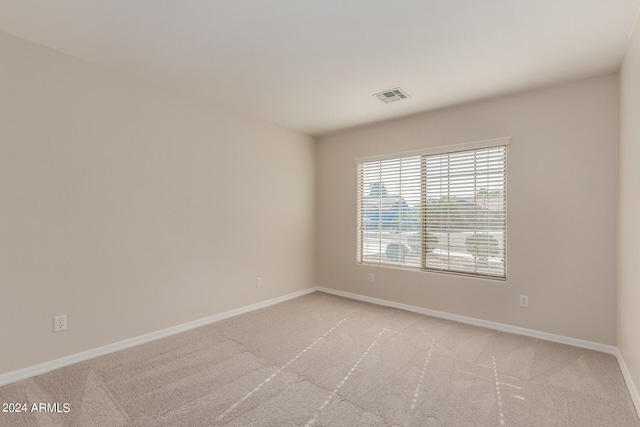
(442, 209)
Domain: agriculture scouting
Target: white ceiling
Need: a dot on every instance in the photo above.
(312, 66)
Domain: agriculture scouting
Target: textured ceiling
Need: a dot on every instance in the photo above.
(313, 66)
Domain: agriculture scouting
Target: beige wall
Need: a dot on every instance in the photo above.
(562, 202)
(131, 208)
(629, 215)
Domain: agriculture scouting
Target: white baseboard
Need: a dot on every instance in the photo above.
(633, 391)
(32, 371)
(610, 349)
(42, 368)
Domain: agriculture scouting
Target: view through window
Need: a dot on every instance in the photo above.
(443, 212)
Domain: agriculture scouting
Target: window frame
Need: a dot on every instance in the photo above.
(424, 154)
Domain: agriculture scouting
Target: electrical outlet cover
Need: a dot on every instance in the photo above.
(59, 323)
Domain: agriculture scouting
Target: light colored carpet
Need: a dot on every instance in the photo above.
(322, 360)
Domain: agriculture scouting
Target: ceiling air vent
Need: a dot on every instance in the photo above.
(392, 95)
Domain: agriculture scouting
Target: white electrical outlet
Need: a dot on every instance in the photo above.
(372, 278)
(258, 282)
(59, 323)
(524, 301)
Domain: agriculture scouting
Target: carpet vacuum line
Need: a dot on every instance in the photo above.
(495, 376)
(344, 380)
(414, 402)
(272, 376)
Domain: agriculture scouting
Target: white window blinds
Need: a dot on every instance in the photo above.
(443, 212)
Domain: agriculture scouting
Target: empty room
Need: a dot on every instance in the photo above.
(356, 213)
